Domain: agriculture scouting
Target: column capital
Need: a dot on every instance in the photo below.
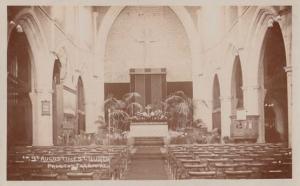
(251, 87)
(43, 91)
(225, 98)
(288, 69)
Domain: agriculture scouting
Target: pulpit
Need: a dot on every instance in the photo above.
(244, 130)
(150, 83)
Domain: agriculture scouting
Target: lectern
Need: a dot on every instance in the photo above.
(150, 83)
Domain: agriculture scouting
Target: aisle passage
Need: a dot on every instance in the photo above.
(147, 163)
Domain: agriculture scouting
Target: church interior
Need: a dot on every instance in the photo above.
(149, 92)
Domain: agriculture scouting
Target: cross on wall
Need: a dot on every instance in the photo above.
(147, 40)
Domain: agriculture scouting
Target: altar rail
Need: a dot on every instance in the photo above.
(67, 162)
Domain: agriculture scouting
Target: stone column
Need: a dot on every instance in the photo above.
(203, 104)
(94, 104)
(91, 116)
(203, 111)
(288, 71)
(254, 103)
(42, 117)
(207, 113)
(225, 115)
(252, 99)
(197, 95)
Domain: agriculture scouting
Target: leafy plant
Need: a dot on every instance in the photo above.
(131, 105)
(121, 110)
(133, 108)
(180, 107)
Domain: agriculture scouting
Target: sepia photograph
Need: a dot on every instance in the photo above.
(148, 92)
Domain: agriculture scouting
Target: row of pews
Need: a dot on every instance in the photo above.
(229, 161)
(67, 162)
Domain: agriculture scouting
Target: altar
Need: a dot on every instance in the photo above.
(148, 129)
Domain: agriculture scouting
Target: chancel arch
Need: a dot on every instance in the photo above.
(163, 52)
(109, 19)
(114, 12)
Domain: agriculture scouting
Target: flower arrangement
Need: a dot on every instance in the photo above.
(157, 115)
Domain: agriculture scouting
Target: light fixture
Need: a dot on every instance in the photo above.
(19, 29)
(278, 18)
(12, 23)
(270, 23)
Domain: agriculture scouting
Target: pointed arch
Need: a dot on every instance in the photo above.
(113, 13)
(237, 86)
(273, 79)
(19, 86)
(39, 68)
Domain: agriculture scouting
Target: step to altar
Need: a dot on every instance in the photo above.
(148, 152)
(148, 141)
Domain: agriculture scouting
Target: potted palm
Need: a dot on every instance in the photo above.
(118, 112)
(131, 105)
(180, 107)
(115, 115)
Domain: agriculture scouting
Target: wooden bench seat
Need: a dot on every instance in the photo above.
(230, 156)
(190, 161)
(238, 174)
(202, 174)
(80, 175)
(201, 152)
(275, 173)
(44, 176)
(207, 156)
(184, 156)
(255, 164)
(195, 166)
(243, 160)
(226, 165)
(217, 160)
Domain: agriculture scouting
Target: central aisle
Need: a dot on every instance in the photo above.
(147, 164)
